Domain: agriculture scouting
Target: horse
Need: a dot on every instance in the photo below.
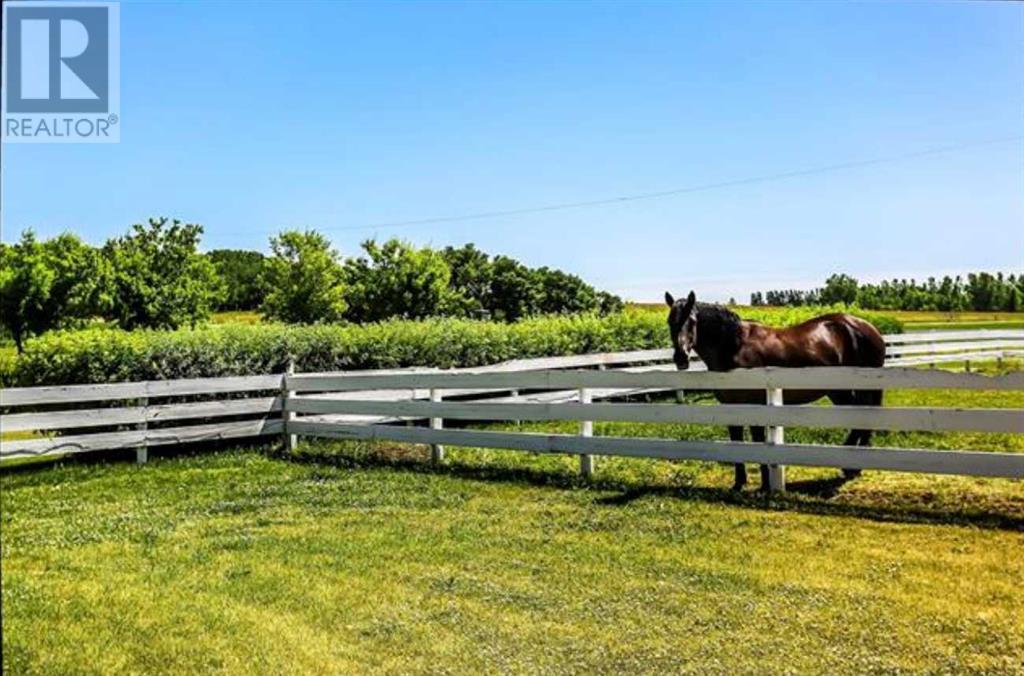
(725, 342)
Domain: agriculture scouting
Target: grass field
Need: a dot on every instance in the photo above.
(351, 558)
(915, 320)
(928, 321)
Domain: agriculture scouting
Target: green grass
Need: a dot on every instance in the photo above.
(965, 317)
(934, 321)
(350, 558)
(940, 326)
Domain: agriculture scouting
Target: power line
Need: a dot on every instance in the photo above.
(764, 178)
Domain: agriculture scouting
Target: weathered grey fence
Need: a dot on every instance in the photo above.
(145, 414)
(135, 405)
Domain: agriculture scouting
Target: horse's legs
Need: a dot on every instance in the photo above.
(847, 398)
(867, 398)
(757, 435)
(736, 434)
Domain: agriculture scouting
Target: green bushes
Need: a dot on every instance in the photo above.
(111, 355)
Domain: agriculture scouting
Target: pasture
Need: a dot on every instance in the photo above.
(920, 320)
(913, 320)
(353, 557)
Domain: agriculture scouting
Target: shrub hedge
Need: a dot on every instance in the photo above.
(110, 355)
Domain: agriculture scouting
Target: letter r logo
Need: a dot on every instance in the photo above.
(56, 59)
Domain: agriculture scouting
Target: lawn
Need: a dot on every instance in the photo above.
(351, 558)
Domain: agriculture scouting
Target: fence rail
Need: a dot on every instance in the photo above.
(970, 463)
(140, 415)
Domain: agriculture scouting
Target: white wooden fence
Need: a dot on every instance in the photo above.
(934, 347)
(308, 407)
(146, 414)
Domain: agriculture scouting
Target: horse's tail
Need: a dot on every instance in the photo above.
(868, 350)
(867, 346)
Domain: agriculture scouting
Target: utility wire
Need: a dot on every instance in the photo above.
(765, 178)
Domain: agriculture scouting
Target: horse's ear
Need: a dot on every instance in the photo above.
(690, 300)
(669, 300)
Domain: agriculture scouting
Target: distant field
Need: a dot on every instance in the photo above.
(925, 321)
(915, 320)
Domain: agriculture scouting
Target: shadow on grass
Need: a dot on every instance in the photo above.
(820, 497)
(34, 468)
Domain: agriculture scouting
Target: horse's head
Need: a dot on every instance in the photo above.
(682, 326)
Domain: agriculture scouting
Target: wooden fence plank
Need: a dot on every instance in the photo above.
(133, 438)
(859, 417)
(942, 348)
(775, 436)
(436, 423)
(23, 396)
(142, 451)
(291, 440)
(108, 417)
(937, 336)
(586, 430)
(969, 463)
(817, 378)
(944, 358)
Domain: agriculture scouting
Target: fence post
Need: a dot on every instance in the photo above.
(776, 435)
(586, 430)
(142, 452)
(514, 394)
(290, 440)
(436, 450)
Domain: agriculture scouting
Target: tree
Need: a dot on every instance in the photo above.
(515, 291)
(159, 279)
(396, 279)
(505, 289)
(242, 274)
(983, 291)
(56, 283)
(609, 303)
(563, 293)
(471, 277)
(839, 289)
(305, 278)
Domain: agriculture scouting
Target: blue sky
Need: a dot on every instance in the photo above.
(252, 117)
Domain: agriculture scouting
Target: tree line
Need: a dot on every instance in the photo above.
(981, 291)
(155, 277)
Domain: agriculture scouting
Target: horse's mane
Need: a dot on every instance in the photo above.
(718, 325)
(718, 314)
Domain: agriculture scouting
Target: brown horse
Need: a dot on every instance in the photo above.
(725, 342)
